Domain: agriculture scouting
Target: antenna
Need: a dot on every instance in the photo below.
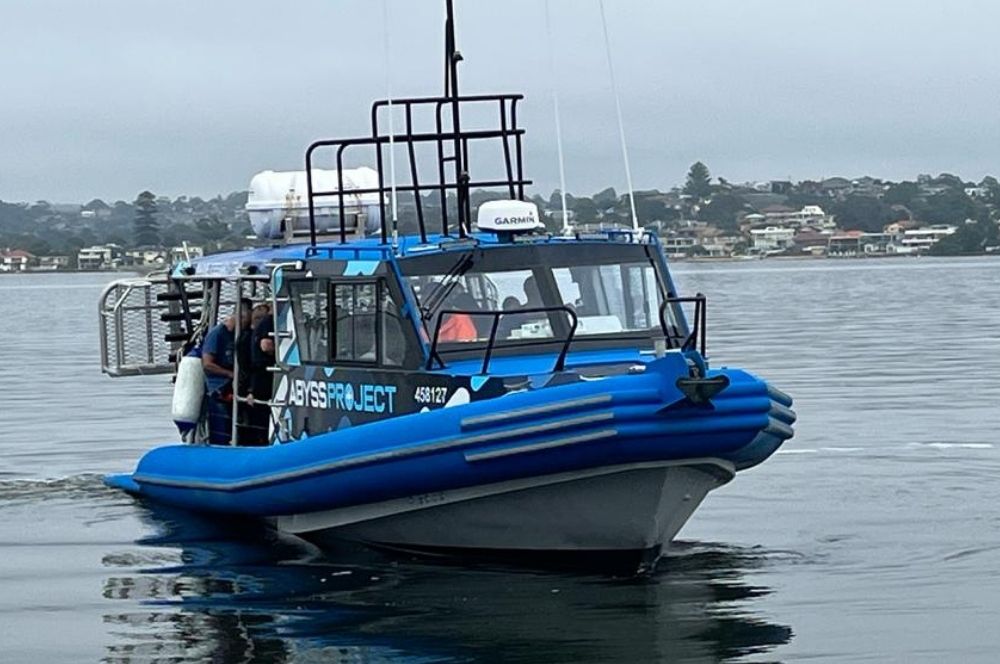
(392, 127)
(621, 122)
(452, 56)
(555, 105)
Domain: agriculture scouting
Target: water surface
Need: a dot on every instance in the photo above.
(874, 535)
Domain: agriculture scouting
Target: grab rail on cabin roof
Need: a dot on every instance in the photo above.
(695, 339)
(453, 138)
(491, 343)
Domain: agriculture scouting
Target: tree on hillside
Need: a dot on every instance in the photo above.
(146, 226)
(949, 180)
(606, 199)
(586, 210)
(902, 193)
(699, 181)
(722, 211)
(968, 239)
(992, 188)
(96, 205)
(863, 213)
(212, 230)
(652, 208)
(949, 207)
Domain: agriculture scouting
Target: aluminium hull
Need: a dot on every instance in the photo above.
(631, 509)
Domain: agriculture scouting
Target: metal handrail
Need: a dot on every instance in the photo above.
(491, 343)
(696, 338)
(460, 138)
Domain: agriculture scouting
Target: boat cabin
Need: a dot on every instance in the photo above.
(377, 315)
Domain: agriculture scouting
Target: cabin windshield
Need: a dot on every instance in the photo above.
(610, 290)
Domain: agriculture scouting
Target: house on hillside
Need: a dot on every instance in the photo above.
(189, 252)
(897, 228)
(16, 260)
(807, 216)
(867, 186)
(146, 257)
(918, 240)
(772, 239)
(835, 187)
(99, 257)
(845, 245)
(52, 263)
(876, 244)
(811, 241)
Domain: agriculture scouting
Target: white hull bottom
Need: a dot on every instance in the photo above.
(631, 508)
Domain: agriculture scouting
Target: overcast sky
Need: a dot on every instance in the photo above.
(105, 98)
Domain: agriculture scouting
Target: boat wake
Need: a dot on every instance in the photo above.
(86, 486)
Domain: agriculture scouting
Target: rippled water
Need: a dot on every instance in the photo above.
(874, 535)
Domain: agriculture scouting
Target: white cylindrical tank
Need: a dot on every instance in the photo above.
(189, 390)
(282, 195)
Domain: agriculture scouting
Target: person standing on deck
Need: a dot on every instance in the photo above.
(217, 355)
(260, 378)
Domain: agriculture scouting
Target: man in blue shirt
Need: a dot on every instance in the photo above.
(217, 356)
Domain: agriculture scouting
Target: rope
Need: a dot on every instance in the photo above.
(392, 126)
(621, 122)
(555, 106)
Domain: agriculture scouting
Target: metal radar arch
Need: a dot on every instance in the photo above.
(435, 122)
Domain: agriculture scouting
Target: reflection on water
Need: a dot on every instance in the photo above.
(205, 593)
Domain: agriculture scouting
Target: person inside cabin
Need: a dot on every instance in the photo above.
(512, 320)
(255, 378)
(532, 296)
(458, 327)
(217, 359)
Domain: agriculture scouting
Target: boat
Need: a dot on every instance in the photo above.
(443, 381)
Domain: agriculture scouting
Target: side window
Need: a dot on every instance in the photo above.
(355, 328)
(309, 300)
(394, 342)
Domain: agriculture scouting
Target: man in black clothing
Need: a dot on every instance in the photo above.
(260, 379)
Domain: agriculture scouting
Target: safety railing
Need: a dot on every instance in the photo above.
(695, 339)
(452, 143)
(143, 324)
(496, 315)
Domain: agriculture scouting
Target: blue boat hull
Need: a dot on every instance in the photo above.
(515, 444)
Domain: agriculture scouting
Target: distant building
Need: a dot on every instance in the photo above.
(678, 245)
(809, 215)
(897, 228)
(146, 257)
(99, 257)
(835, 187)
(867, 186)
(15, 260)
(845, 245)
(873, 244)
(811, 241)
(772, 238)
(192, 251)
(920, 239)
(52, 263)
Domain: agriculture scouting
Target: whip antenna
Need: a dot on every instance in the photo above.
(386, 40)
(621, 122)
(555, 106)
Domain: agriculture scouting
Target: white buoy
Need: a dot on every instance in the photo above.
(189, 389)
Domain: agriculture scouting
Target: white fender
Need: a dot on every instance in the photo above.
(189, 389)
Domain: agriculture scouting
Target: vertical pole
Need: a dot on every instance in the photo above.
(237, 330)
(555, 108)
(453, 57)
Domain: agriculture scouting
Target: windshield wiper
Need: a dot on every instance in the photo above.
(446, 285)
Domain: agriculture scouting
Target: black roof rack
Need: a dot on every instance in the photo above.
(452, 141)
